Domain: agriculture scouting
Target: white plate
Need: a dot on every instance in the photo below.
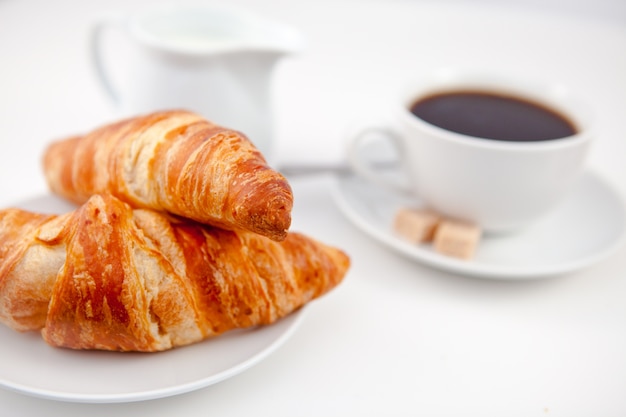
(584, 229)
(30, 366)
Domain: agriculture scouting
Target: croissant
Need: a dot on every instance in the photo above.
(110, 277)
(175, 161)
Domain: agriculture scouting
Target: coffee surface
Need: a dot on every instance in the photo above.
(493, 116)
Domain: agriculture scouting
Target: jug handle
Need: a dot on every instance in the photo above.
(96, 39)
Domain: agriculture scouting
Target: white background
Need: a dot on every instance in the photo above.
(396, 338)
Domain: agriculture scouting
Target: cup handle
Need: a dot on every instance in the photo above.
(96, 40)
(366, 169)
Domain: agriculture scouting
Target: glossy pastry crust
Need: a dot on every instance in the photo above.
(111, 277)
(179, 162)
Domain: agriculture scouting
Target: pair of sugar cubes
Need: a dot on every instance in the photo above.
(449, 237)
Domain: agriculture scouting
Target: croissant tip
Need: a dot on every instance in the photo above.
(275, 233)
(281, 236)
(273, 218)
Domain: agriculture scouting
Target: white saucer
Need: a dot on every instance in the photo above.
(584, 229)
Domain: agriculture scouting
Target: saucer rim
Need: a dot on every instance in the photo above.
(476, 269)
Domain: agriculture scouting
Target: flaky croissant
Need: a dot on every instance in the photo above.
(110, 277)
(175, 161)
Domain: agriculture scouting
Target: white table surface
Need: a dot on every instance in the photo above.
(396, 338)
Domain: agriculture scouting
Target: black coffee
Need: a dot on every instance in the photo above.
(493, 116)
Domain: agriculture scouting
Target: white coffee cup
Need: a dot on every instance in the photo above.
(216, 61)
(503, 186)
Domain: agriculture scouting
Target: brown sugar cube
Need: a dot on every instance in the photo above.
(457, 239)
(416, 225)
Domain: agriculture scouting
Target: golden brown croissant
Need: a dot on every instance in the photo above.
(110, 277)
(178, 162)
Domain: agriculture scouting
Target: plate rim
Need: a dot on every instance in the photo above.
(295, 320)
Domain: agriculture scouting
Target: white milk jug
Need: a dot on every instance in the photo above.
(215, 61)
